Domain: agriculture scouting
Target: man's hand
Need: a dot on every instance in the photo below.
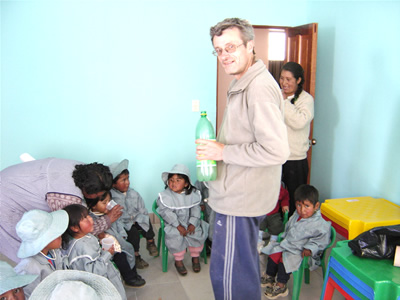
(285, 209)
(191, 229)
(181, 230)
(209, 150)
(115, 213)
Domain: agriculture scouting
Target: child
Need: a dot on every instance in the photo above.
(40, 233)
(76, 285)
(83, 249)
(11, 284)
(179, 206)
(123, 256)
(135, 216)
(306, 234)
(273, 220)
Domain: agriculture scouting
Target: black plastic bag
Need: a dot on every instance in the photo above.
(378, 242)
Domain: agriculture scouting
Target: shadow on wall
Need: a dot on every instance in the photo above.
(389, 181)
(326, 115)
(376, 169)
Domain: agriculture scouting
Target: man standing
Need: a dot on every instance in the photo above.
(251, 147)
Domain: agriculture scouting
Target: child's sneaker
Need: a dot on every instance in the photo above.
(267, 281)
(277, 292)
(152, 248)
(140, 262)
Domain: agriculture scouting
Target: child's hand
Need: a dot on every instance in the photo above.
(306, 252)
(111, 250)
(115, 213)
(181, 230)
(285, 208)
(191, 229)
(101, 235)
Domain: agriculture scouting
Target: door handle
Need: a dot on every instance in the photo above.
(312, 142)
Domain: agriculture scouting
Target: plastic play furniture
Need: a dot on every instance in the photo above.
(161, 241)
(353, 216)
(360, 278)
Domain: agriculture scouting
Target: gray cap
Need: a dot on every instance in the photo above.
(117, 168)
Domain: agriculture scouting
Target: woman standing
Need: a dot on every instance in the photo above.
(299, 112)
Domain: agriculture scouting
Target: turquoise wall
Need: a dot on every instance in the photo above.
(107, 80)
(357, 99)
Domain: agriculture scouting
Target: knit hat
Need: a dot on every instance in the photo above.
(117, 168)
(10, 280)
(38, 228)
(176, 169)
(77, 285)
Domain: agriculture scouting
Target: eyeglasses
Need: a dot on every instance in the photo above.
(230, 48)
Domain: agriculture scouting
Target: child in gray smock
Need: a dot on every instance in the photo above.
(83, 248)
(306, 234)
(124, 256)
(12, 284)
(40, 233)
(135, 215)
(179, 206)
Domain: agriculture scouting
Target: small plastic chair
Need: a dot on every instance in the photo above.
(304, 268)
(162, 248)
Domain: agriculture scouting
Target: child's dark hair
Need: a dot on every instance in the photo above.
(124, 172)
(188, 190)
(92, 178)
(92, 202)
(76, 212)
(306, 192)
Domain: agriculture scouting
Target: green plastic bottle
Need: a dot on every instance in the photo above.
(206, 169)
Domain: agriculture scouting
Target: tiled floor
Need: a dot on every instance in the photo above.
(197, 286)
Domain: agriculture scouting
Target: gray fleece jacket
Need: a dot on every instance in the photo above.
(256, 146)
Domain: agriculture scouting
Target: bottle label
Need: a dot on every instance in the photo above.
(206, 163)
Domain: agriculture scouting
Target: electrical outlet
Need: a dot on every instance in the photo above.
(195, 105)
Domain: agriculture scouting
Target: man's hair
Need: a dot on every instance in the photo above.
(306, 192)
(92, 178)
(246, 30)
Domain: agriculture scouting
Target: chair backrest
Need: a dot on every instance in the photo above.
(154, 209)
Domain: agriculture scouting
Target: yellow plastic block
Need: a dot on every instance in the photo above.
(360, 214)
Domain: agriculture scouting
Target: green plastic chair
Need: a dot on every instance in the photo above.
(162, 248)
(304, 268)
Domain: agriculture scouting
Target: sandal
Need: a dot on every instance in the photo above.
(196, 264)
(181, 269)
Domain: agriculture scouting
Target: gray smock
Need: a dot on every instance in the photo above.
(181, 209)
(39, 265)
(209, 214)
(312, 233)
(85, 254)
(134, 209)
(117, 230)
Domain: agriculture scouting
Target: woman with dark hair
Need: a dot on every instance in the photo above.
(49, 184)
(299, 112)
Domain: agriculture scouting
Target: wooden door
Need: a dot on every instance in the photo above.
(301, 47)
